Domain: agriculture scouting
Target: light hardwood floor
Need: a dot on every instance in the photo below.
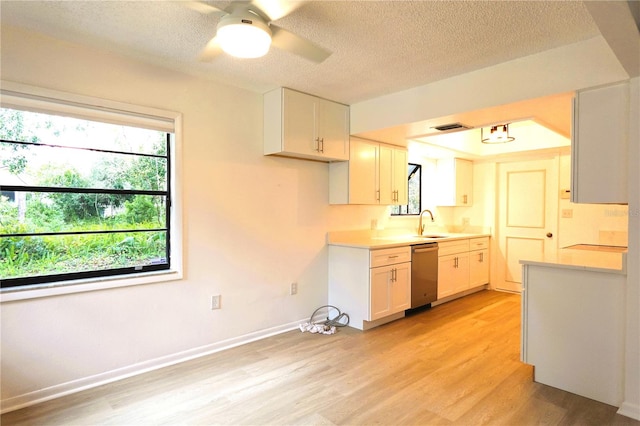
(455, 364)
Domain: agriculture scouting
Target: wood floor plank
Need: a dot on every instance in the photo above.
(454, 364)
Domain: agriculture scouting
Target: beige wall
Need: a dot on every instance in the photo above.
(590, 223)
(252, 225)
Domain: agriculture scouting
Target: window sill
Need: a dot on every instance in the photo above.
(81, 286)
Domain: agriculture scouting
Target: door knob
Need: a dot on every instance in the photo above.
(549, 235)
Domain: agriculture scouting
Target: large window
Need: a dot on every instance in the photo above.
(82, 198)
(414, 183)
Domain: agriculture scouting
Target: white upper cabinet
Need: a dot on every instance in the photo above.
(305, 126)
(375, 174)
(599, 145)
(454, 183)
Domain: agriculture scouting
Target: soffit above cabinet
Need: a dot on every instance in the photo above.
(537, 124)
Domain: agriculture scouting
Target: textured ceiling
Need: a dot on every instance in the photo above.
(379, 47)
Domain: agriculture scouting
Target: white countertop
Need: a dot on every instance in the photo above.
(592, 260)
(377, 239)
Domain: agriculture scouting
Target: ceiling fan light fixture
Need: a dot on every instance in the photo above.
(498, 134)
(244, 35)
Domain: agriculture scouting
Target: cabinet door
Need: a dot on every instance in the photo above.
(453, 274)
(454, 182)
(599, 145)
(461, 272)
(478, 268)
(401, 288)
(464, 182)
(385, 175)
(380, 298)
(400, 183)
(333, 129)
(300, 130)
(446, 275)
(363, 184)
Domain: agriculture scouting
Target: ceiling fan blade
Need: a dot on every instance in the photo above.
(276, 9)
(286, 40)
(203, 8)
(211, 51)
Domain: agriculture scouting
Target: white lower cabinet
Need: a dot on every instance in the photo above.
(371, 286)
(573, 329)
(462, 265)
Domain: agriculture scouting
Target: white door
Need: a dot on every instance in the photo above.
(527, 217)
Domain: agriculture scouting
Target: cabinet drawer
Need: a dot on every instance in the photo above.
(452, 247)
(390, 256)
(479, 243)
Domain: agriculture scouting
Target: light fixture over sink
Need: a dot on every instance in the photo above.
(499, 134)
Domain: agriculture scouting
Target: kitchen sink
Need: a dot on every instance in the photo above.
(432, 236)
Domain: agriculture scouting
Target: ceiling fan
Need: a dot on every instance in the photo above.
(246, 30)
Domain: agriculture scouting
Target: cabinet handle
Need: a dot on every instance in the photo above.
(481, 257)
(317, 144)
(322, 145)
(455, 262)
(378, 195)
(464, 199)
(392, 257)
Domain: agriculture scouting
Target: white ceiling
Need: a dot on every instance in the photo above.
(379, 47)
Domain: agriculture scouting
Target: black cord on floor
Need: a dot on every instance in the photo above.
(337, 321)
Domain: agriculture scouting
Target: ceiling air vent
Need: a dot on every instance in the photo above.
(452, 126)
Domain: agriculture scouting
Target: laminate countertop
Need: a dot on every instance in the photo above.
(595, 259)
(377, 240)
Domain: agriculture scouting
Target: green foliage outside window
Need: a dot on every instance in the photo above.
(79, 231)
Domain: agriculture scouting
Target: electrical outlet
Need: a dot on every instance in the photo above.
(465, 221)
(568, 213)
(293, 289)
(215, 302)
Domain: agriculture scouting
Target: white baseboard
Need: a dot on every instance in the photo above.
(628, 409)
(74, 386)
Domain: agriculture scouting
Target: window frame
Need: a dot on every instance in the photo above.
(400, 214)
(20, 96)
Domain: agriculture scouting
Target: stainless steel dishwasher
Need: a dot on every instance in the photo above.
(424, 274)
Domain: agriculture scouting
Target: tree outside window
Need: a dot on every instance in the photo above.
(81, 198)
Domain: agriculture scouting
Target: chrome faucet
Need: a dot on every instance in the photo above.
(420, 225)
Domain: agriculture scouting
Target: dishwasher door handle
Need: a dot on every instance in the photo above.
(425, 250)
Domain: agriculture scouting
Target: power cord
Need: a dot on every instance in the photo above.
(328, 325)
